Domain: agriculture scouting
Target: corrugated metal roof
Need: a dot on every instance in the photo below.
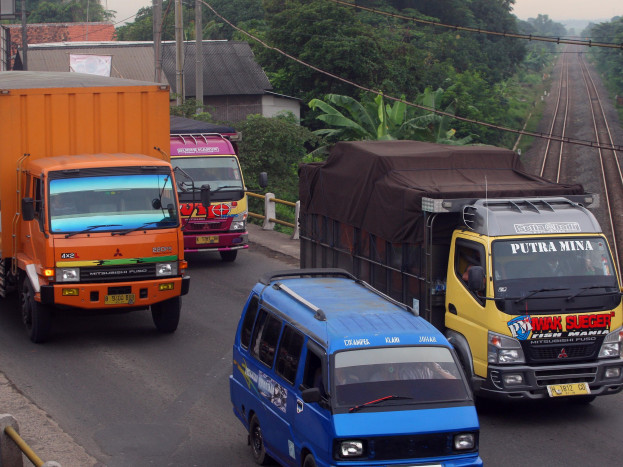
(229, 67)
(45, 80)
(129, 62)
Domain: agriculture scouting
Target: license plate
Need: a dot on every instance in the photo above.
(210, 239)
(563, 390)
(120, 299)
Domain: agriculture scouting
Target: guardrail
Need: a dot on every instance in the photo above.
(12, 446)
(269, 217)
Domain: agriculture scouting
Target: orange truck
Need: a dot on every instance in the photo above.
(89, 214)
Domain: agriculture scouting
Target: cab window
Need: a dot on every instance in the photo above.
(468, 254)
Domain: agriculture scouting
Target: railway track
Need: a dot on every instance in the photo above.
(578, 91)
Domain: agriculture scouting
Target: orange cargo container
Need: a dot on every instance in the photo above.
(89, 215)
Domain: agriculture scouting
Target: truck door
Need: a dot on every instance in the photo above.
(466, 309)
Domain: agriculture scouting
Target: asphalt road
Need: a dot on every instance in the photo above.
(132, 397)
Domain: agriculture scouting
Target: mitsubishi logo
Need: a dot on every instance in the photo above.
(220, 210)
(563, 353)
(118, 253)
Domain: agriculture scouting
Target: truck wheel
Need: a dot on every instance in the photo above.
(257, 442)
(166, 315)
(229, 256)
(36, 317)
(309, 461)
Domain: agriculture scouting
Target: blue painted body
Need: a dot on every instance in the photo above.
(397, 431)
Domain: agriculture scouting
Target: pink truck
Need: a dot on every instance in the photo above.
(211, 189)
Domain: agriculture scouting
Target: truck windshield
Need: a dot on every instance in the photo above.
(398, 375)
(556, 258)
(115, 202)
(218, 172)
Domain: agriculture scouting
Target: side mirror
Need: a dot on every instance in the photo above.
(206, 196)
(476, 279)
(156, 203)
(28, 209)
(262, 179)
(311, 395)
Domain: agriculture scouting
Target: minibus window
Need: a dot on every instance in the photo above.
(247, 324)
(289, 354)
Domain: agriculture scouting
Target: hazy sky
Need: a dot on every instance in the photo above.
(555, 9)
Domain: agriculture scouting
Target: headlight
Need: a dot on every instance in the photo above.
(67, 274)
(166, 269)
(612, 345)
(504, 350)
(238, 225)
(464, 442)
(351, 448)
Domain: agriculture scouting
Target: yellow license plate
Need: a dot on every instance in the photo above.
(563, 390)
(120, 299)
(210, 239)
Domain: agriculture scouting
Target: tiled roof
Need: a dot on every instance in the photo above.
(39, 33)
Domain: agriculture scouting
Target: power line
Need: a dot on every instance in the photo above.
(562, 139)
(530, 37)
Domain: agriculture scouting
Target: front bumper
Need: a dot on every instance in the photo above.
(93, 295)
(210, 241)
(537, 378)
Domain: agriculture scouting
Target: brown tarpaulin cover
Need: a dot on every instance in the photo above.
(378, 185)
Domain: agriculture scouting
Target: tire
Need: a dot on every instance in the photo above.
(257, 442)
(229, 256)
(166, 315)
(309, 461)
(36, 317)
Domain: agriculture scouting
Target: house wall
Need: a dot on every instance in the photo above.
(233, 108)
(272, 105)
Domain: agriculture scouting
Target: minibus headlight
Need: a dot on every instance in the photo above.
(67, 274)
(464, 441)
(612, 345)
(504, 350)
(351, 448)
(166, 269)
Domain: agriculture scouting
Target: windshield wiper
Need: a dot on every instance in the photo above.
(133, 229)
(91, 227)
(226, 186)
(376, 401)
(534, 292)
(584, 289)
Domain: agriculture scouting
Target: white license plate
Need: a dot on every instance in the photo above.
(120, 299)
(564, 390)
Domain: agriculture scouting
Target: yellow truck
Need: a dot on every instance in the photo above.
(511, 267)
(89, 215)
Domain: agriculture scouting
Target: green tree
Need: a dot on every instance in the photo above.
(72, 11)
(274, 145)
(350, 120)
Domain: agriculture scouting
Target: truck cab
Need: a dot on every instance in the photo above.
(205, 160)
(533, 300)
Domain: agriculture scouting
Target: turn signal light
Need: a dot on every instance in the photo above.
(166, 286)
(70, 292)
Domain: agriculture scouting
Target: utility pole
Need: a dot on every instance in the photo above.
(157, 32)
(199, 56)
(24, 38)
(179, 56)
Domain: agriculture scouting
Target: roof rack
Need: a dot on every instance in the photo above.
(269, 278)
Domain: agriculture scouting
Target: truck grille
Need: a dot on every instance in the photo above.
(566, 376)
(563, 352)
(409, 446)
(206, 226)
(118, 273)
